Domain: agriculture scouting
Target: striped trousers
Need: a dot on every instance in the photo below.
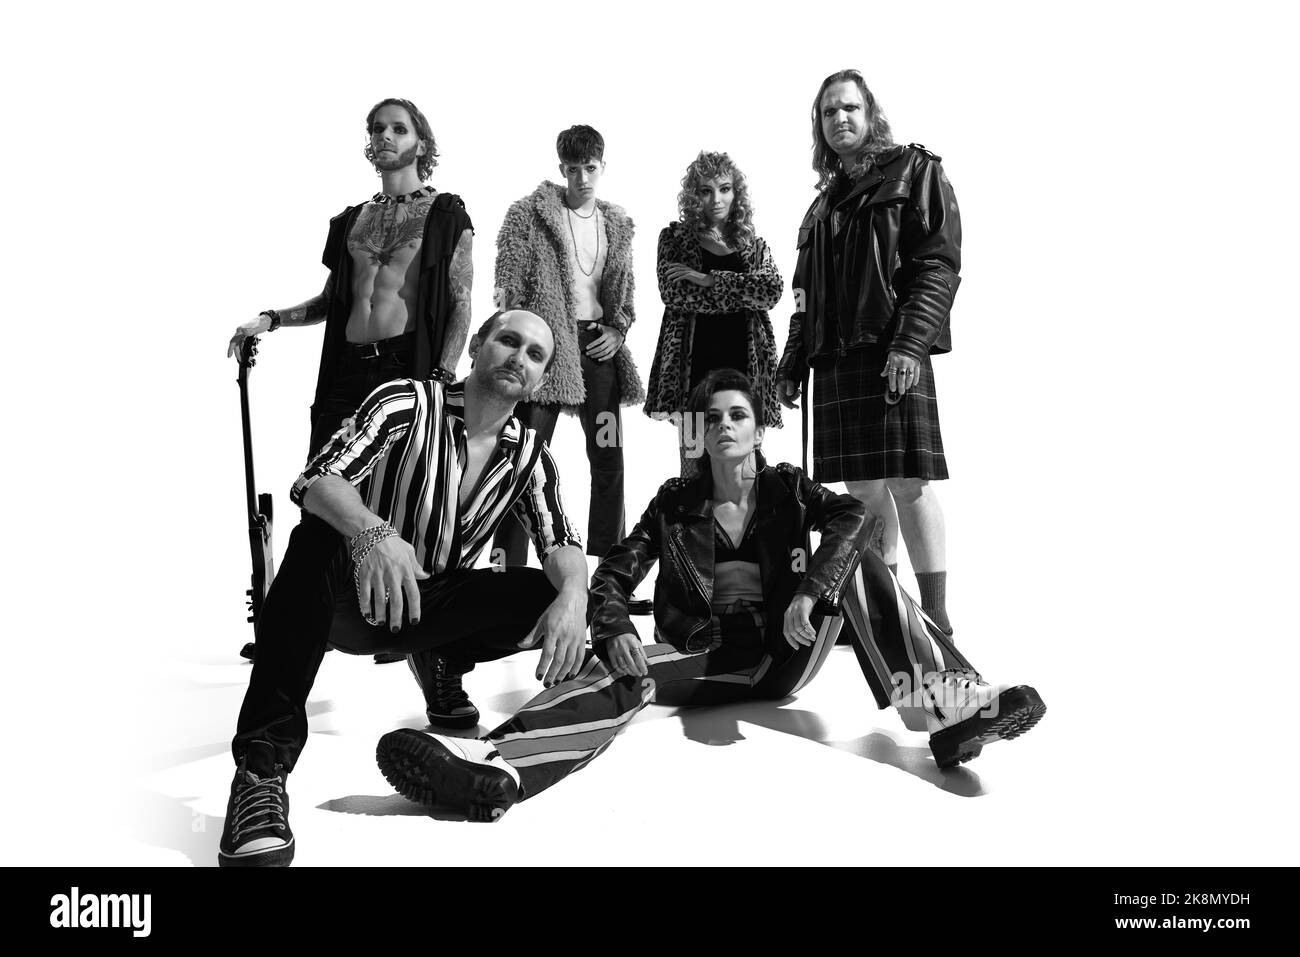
(567, 726)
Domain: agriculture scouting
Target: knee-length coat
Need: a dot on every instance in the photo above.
(686, 304)
(534, 271)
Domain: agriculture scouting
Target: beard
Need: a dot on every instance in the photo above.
(388, 163)
(509, 388)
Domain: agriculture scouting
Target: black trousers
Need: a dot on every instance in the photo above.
(470, 615)
(603, 426)
(353, 379)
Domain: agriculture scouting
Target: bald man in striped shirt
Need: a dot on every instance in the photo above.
(394, 572)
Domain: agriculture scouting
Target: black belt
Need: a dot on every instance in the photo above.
(382, 347)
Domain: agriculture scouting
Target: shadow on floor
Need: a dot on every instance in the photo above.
(720, 726)
(166, 760)
(388, 805)
(182, 686)
(511, 701)
(162, 821)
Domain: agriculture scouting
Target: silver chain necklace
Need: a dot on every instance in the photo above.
(572, 235)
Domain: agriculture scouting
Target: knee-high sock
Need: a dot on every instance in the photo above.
(934, 597)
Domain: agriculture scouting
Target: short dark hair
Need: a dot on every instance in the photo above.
(485, 330)
(425, 164)
(579, 143)
(494, 320)
(697, 405)
(721, 380)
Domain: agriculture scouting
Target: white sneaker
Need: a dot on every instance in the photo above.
(445, 773)
(964, 712)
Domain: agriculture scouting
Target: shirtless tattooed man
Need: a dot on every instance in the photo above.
(397, 301)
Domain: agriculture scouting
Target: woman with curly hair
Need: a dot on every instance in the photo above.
(717, 280)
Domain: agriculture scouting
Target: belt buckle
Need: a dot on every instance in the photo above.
(373, 352)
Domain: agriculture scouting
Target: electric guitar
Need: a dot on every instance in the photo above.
(259, 506)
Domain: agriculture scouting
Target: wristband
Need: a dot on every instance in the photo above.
(275, 319)
(442, 375)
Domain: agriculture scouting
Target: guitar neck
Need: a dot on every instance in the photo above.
(250, 484)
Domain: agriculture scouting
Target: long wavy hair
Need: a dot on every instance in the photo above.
(424, 164)
(825, 160)
(738, 230)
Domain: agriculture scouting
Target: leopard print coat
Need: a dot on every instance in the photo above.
(752, 293)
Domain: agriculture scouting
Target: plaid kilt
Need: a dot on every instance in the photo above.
(857, 436)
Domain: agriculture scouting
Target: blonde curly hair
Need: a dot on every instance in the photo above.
(738, 230)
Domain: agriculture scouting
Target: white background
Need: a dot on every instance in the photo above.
(1116, 410)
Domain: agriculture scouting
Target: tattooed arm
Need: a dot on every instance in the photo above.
(312, 311)
(461, 280)
(307, 313)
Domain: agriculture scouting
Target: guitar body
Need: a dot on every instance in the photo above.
(259, 505)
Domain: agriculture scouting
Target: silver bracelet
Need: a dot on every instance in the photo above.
(360, 545)
(366, 539)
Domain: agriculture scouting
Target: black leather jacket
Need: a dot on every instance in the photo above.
(678, 527)
(878, 261)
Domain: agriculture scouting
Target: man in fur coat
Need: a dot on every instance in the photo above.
(567, 256)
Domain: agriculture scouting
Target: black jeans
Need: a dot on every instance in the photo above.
(353, 379)
(470, 615)
(605, 515)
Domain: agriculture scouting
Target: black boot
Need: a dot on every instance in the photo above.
(446, 703)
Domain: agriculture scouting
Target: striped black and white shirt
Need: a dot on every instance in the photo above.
(409, 436)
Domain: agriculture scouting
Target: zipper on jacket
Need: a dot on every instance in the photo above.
(682, 557)
(680, 551)
(832, 594)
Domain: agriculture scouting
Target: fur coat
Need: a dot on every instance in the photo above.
(534, 271)
(752, 293)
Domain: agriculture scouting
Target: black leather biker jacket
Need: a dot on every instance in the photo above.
(878, 262)
(677, 529)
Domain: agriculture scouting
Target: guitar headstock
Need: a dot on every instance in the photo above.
(248, 353)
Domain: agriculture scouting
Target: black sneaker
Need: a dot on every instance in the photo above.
(446, 703)
(447, 774)
(257, 816)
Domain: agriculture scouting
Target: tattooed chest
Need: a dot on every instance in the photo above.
(383, 234)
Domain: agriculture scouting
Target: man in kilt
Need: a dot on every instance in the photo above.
(879, 254)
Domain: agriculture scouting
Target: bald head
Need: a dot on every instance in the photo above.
(513, 350)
